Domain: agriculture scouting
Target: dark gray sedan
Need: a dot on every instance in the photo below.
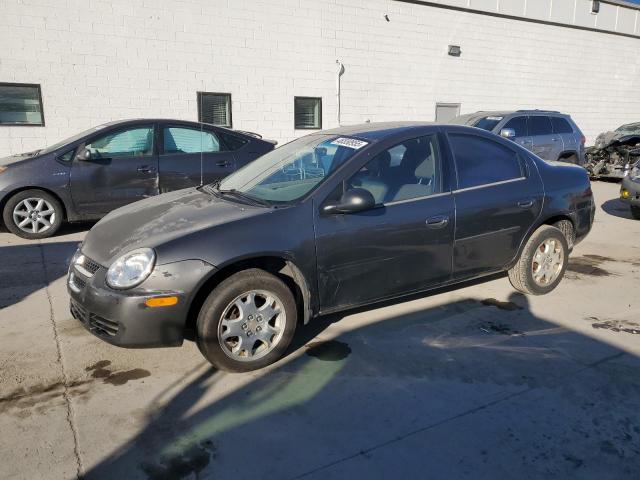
(106, 167)
(330, 221)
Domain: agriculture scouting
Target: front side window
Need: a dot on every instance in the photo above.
(20, 104)
(417, 173)
(215, 108)
(133, 142)
(293, 170)
(539, 125)
(308, 113)
(519, 125)
(189, 140)
(481, 161)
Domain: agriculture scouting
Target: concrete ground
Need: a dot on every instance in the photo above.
(477, 382)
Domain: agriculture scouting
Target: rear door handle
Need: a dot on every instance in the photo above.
(146, 169)
(223, 163)
(439, 221)
(525, 204)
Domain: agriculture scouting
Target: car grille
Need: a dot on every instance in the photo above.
(77, 282)
(91, 266)
(97, 324)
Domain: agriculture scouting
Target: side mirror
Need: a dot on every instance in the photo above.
(508, 133)
(352, 201)
(84, 155)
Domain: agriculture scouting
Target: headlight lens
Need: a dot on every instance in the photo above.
(131, 269)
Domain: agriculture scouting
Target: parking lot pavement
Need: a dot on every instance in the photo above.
(476, 382)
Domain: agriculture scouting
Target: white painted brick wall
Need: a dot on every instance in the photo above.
(101, 60)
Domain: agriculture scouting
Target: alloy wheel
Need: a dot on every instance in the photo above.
(34, 215)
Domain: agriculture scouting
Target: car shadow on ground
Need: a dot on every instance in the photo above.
(26, 266)
(471, 388)
(617, 208)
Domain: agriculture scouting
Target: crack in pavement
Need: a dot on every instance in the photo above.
(65, 376)
(451, 418)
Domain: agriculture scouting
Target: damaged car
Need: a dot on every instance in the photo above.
(615, 152)
(630, 191)
(331, 221)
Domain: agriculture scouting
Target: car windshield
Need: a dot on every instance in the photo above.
(71, 139)
(488, 123)
(293, 170)
(629, 129)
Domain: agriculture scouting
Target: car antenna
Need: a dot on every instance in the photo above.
(201, 142)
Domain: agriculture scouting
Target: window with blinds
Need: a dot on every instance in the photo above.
(308, 113)
(20, 104)
(215, 108)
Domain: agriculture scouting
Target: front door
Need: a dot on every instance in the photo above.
(402, 245)
(498, 199)
(123, 168)
(190, 156)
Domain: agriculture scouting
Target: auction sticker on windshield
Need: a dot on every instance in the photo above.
(349, 142)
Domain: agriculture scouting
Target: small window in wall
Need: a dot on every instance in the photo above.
(215, 108)
(308, 113)
(21, 104)
(446, 111)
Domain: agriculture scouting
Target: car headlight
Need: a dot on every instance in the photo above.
(131, 269)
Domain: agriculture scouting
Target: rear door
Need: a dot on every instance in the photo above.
(498, 199)
(123, 169)
(570, 140)
(546, 143)
(190, 155)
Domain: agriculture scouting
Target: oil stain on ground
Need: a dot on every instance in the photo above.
(501, 328)
(618, 326)
(191, 462)
(589, 265)
(329, 351)
(99, 370)
(509, 306)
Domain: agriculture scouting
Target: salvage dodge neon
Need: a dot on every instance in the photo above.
(330, 221)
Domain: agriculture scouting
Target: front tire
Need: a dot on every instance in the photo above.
(635, 212)
(542, 262)
(33, 214)
(247, 321)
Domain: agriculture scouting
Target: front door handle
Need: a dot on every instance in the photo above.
(146, 169)
(525, 204)
(439, 221)
(223, 163)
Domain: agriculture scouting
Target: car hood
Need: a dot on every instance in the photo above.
(19, 158)
(157, 220)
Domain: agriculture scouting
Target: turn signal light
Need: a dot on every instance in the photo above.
(624, 193)
(161, 301)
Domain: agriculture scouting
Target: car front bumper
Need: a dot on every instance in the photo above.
(630, 191)
(122, 318)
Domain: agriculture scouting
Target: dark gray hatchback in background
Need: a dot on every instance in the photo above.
(109, 166)
(550, 135)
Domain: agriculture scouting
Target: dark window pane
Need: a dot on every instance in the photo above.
(233, 142)
(67, 156)
(488, 123)
(215, 108)
(416, 173)
(133, 142)
(481, 161)
(20, 105)
(539, 125)
(189, 140)
(560, 125)
(308, 113)
(519, 125)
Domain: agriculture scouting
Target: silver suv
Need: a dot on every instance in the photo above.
(550, 135)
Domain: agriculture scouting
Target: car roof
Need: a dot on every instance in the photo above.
(378, 130)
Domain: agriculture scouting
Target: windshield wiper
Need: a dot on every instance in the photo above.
(244, 196)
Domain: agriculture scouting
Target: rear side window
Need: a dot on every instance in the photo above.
(519, 125)
(233, 142)
(539, 125)
(189, 140)
(560, 125)
(481, 161)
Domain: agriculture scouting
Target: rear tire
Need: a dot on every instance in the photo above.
(33, 214)
(542, 262)
(635, 212)
(247, 321)
(566, 227)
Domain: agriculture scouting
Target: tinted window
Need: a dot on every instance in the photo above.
(488, 123)
(481, 161)
(67, 156)
(560, 125)
(135, 141)
(189, 140)
(540, 125)
(20, 104)
(233, 142)
(416, 174)
(519, 125)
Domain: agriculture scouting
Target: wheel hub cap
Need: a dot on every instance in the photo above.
(547, 262)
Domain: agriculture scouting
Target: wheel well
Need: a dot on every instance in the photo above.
(22, 189)
(568, 154)
(286, 270)
(565, 224)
